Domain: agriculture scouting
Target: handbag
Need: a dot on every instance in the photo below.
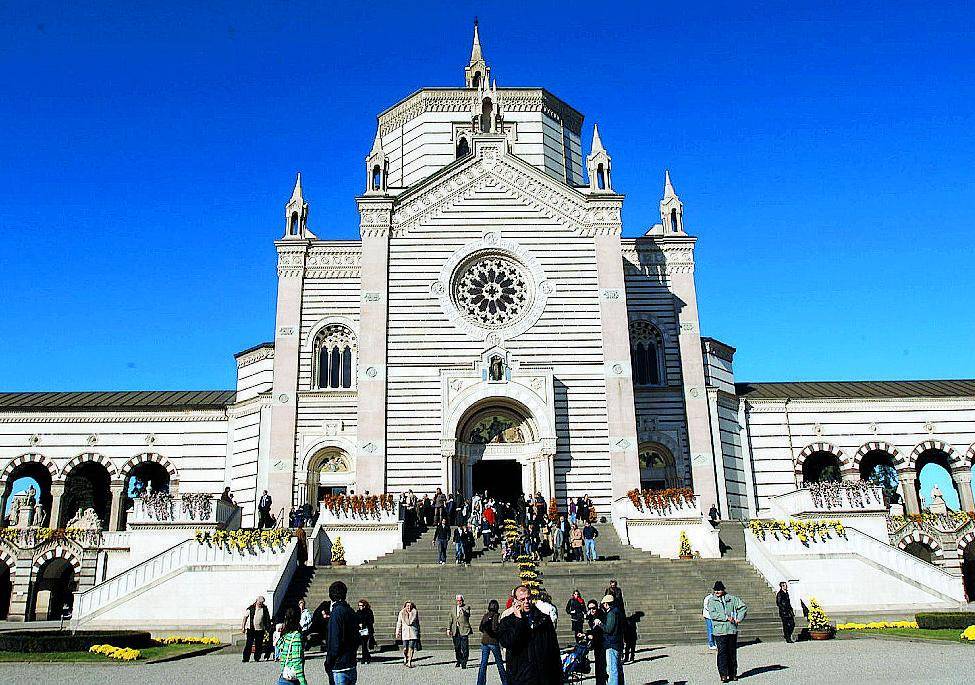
(364, 632)
(288, 673)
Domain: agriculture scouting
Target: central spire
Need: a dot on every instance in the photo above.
(477, 73)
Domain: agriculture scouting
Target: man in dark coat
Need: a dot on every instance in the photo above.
(617, 592)
(533, 647)
(786, 613)
(343, 637)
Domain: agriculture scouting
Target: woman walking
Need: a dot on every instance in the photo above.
(575, 542)
(292, 651)
(489, 643)
(408, 630)
(367, 622)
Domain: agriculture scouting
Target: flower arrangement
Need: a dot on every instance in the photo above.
(509, 530)
(945, 523)
(27, 538)
(685, 551)
(338, 553)
(804, 531)
(198, 505)
(661, 501)
(529, 575)
(359, 506)
(818, 619)
(831, 494)
(117, 653)
(553, 510)
(969, 634)
(876, 625)
(187, 640)
(245, 539)
(158, 505)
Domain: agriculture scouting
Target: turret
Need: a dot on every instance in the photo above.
(296, 213)
(599, 164)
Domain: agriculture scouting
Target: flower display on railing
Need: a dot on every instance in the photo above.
(856, 494)
(804, 531)
(661, 501)
(198, 505)
(158, 505)
(359, 506)
(27, 538)
(951, 522)
(246, 539)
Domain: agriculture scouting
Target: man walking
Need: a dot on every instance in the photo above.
(256, 622)
(441, 536)
(439, 504)
(459, 630)
(727, 612)
(589, 535)
(342, 639)
(786, 613)
(264, 511)
(617, 592)
(533, 648)
(613, 629)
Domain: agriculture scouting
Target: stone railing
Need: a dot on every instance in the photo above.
(869, 499)
(185, 510)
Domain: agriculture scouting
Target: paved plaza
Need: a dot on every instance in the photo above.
(861, 661)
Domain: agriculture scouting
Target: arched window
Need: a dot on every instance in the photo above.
(658, 468)
(294, 224)
(377, 177)
(335, 358)
(646, 354)
(486, 108)
(476, 81)
(463, 148)
(601, 177)
(673, 220)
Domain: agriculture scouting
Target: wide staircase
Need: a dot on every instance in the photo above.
(665, 595)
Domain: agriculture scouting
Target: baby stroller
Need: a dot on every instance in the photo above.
(575, 664)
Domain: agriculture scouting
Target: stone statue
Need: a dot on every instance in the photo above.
(31, 496)
(938, 505)
(87, 520)
(496, 372)
(39, 515)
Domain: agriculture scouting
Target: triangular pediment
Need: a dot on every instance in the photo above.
(495, 169)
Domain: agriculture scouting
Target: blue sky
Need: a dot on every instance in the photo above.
(823, 151)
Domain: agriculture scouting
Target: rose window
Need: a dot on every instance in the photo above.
(493, 291)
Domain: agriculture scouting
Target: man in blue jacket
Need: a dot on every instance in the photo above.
(342, 638)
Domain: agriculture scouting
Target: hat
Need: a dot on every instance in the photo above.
(719, 586)
(608, 599)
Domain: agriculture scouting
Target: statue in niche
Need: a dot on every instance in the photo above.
(31, 500)
(938, 505)
(496, 368)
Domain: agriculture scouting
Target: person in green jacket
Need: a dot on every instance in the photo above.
(727, 612)
(292, 651)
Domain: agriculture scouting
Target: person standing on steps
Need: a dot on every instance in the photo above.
(617, 592)
(575, 542)
(489, 626)
(264, 511)
(439, 504)
(459, 630)
(408, 631)
(575, 609)
(533, 647)
(613, 628)
(441, 536)
(786, 613)
(589, 535)
(467, 540)
(343, 638)
(708, 623)
(458, 545)
(257, 621)
(727, 612)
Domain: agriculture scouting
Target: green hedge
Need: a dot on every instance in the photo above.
(67, 641)
(957, 620)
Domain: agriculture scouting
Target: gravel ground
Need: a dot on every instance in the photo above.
(861, 661)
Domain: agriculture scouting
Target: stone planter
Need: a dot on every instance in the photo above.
(686, 556)
(820, 634)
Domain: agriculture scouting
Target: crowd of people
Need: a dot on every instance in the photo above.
(525, 526)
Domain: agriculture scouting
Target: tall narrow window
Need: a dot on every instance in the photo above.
(335, 358)
(646, 354)
(476, 81)
(601, 177)
(377, 177)
(463, 148)
(294, 224)
(673, 220)
(486, 109)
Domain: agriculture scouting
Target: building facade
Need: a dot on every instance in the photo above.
(491, 329)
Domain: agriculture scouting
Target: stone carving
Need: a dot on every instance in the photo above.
(938, 505)
(87, 520)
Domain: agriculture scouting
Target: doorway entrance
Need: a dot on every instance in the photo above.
(500, 477)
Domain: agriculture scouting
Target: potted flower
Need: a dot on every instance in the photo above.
(685, 551)
(338, 553)
(820, 627)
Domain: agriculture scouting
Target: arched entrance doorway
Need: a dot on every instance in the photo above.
(29, 474)
(52, 592)
(821, 467)
(330, 472)
(968, 570)
(921, 551)
(877, 468)
(87, 486)
(498, 450)
(658, 468)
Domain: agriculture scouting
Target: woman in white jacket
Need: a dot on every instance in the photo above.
(408, 630)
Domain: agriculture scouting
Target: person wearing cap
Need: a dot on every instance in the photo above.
(459, 630)
(726, 612)
(613, 628)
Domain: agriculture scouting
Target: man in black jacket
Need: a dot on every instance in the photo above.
(441, 536)
(533, 647)
(786, 613)
(343, 637)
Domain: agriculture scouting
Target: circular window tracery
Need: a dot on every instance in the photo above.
(493, 291)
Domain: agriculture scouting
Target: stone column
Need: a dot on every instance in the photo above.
(375, 214)
(605, 213)
(678, 257)
(292, 253)
(118, 492)
(57, 493)
(20, 595)
(963, 484)
(908, 481)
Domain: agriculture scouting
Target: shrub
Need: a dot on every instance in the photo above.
(955, 620)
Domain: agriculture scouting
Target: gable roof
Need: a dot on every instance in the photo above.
(139, 400)
(855, 389)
